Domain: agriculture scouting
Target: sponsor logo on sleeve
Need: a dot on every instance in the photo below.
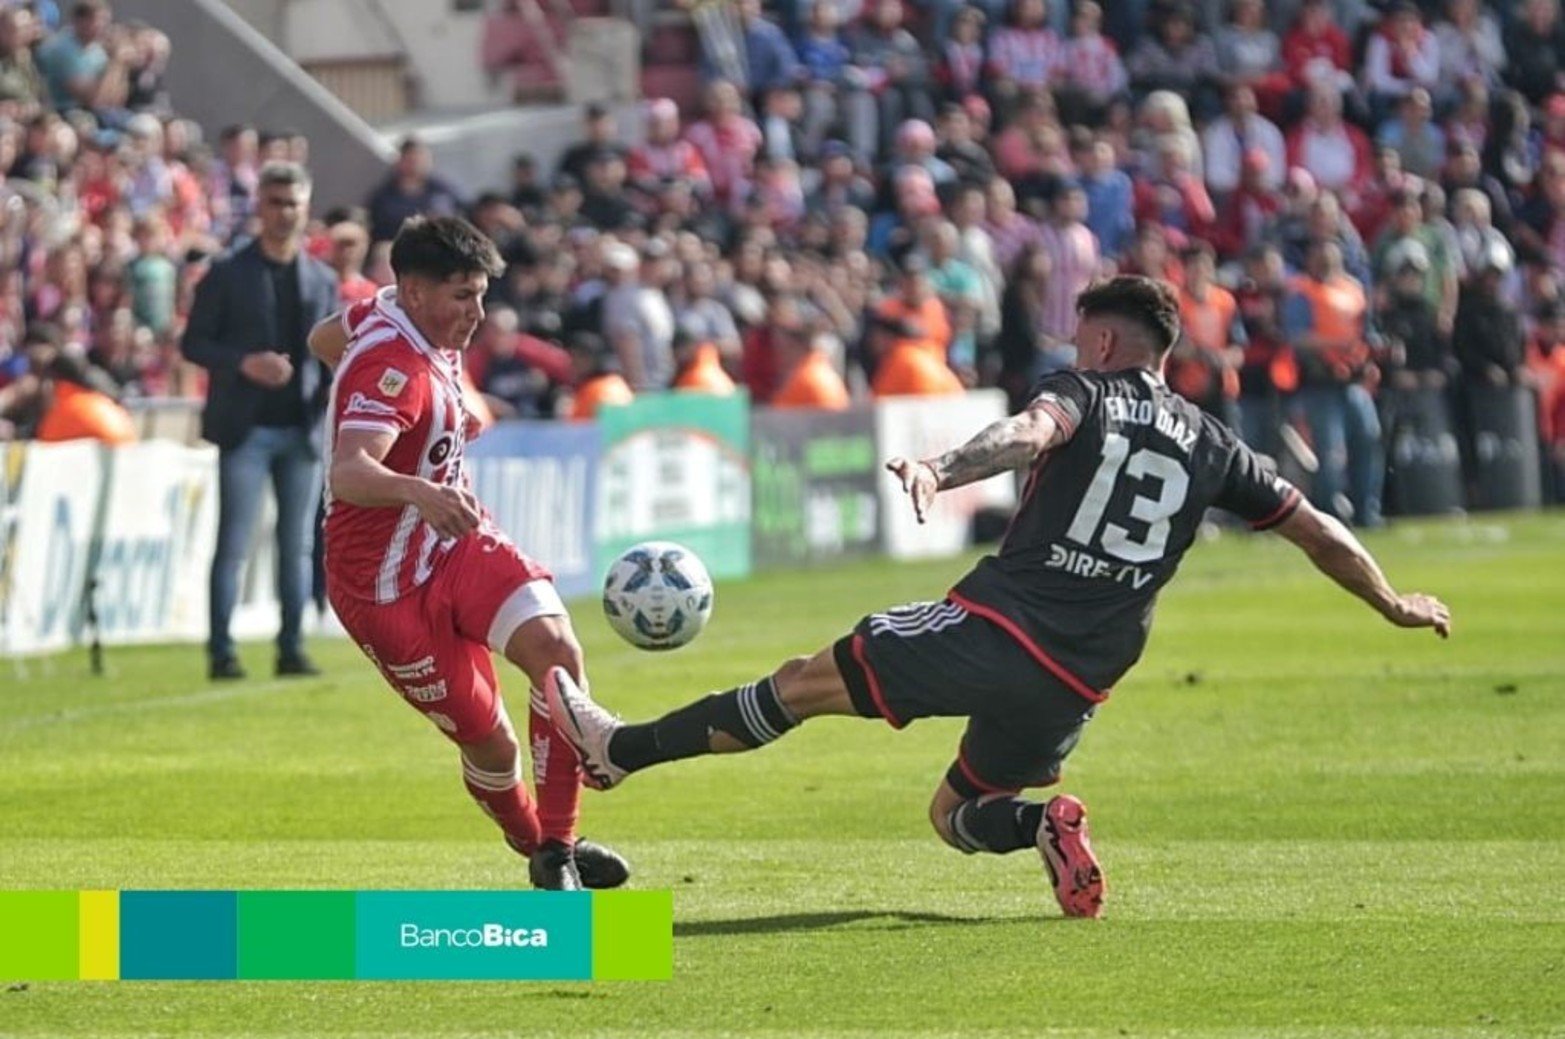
(359, 404)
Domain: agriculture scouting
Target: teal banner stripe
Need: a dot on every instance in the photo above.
(178, 935)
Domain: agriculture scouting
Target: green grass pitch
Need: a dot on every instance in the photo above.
(1313, 825)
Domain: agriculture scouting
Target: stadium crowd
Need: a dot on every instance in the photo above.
(1356, 200)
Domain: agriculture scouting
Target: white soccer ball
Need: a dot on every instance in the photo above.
(657, 595)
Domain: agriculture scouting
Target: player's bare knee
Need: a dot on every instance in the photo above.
(543, 644)
(497, 752)
(808, 686)
(940, 808)
(940, 819)
(789, 670)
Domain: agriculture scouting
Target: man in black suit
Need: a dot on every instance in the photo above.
(265, 400)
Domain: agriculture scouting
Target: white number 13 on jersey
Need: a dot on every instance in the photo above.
(1117, 541)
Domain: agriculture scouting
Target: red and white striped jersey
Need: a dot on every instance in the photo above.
(391, 379)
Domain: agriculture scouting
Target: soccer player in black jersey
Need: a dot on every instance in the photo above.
(1120, 471)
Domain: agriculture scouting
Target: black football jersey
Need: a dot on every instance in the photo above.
(1106, 517)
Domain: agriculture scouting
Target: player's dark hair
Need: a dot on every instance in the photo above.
(442, 247)
(1146, 301)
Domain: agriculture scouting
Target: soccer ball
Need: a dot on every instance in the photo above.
(657, 595)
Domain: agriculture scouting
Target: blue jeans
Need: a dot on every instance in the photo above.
(1345, 429)
(290, 459)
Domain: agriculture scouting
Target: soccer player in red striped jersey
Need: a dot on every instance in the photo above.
(1028, 644)
(416, 569)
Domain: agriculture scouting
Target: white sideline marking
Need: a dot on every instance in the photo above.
(211, 694)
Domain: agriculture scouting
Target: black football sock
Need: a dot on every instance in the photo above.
(999, 825)
(752, 714)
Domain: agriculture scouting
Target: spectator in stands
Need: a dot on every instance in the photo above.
(350, 247)
(1415, 352)
(1535, 50)
(893, 232)
(232, 184)
(606, 204)
(1373, 203)
(1164, 118)
(1546, 362)
(1204, 363)
(1228, 138)
(1025, 56)
(146, 89)
(637, 321)
(728, 143)
(1335, 153)
(960, 67)
(1249, 55)
(960, 289)
(1270, 371)
(1175, 197)
(698, 367)
(1247, 212)
(598, 381)
(1074, 263)
(839, 186)
(410, 189)
(823, 73)
(73, 409)
(809, 377)
(1407, 229)
(1176, 58)
(1317, 54)
(892, 79)
(1415, 136)
(1470, 47)
(1021, 341)
(959, 150)
(20, 82)
(1467, 121)
(1473, 222)
(770, 61)
(1094, 73)
(1325, 318)
(1110, 198)
(1402, 55)
(514, 387)
(1487, 336)
(701, 316)
(1009, 229)
(1032, 151)
(782, 124)
(913, 313)
(85, 66)
(1464, 172)
(665, 156)
(526, 192)
(153, 277)
(248, 325)
(600, 135)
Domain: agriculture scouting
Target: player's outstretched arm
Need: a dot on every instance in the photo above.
(359, 477)
(1338, 554)
(1010, 443)
(329, 340)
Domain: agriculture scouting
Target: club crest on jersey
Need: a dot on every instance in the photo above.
(440, 450)
(391, 382)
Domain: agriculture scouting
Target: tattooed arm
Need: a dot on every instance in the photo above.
(1010, 443)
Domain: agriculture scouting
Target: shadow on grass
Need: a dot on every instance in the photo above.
(887, 920)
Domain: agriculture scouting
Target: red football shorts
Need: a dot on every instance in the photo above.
(433, 645)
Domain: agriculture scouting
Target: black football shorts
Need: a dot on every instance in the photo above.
(935, 659)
